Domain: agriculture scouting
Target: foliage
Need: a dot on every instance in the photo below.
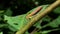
(15, 23)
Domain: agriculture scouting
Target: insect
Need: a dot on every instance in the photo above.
(34, 12)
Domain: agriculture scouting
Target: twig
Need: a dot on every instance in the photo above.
(33, 31)
(39, 16)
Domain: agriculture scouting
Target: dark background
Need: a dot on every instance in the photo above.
(22, 6)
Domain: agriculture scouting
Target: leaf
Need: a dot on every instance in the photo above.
(38, 24)
(8, 12)
(55, 23)
(36, 33)
(1, 32)
(47, 31)
(1, 11)
(57, 10)
(26, 32)
(3, 25)
(15, 23)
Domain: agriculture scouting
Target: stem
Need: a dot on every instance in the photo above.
(38, 17)
(33, 31)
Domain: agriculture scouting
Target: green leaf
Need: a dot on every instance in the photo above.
(26, 32)
(1, 11)
(55, 23)
(8, 12)
(47, 31)
(36, 33)
(15, 23)
(38, 24)
(57, 10)
(1, 32)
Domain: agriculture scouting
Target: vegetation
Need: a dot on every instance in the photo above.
(30, 17)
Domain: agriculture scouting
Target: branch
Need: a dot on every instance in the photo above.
(35, 30)
(38, 17)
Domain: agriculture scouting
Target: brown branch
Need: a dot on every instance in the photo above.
(39, 16)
